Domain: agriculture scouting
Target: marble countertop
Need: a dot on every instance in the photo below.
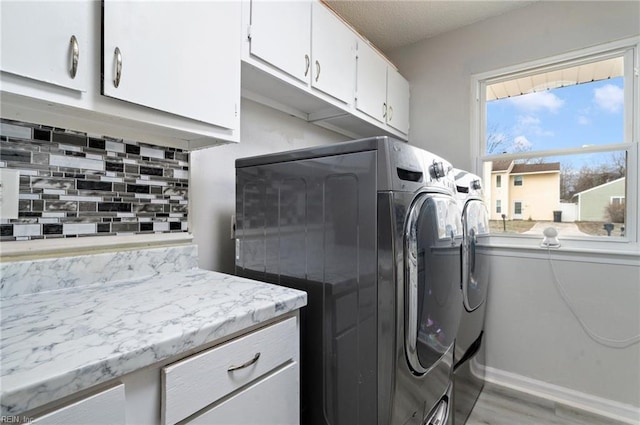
(58, 342)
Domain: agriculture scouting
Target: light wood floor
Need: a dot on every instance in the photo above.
(500, 406)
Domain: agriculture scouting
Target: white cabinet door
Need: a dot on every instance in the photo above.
(178, 57)
(333, 54)
(107, 407)
(272, 401)
(197, 381)
(371, 95)
(397, 101)
(39, 39)
(280, 35)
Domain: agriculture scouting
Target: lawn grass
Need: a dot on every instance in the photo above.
(596, 228)
(513, 226)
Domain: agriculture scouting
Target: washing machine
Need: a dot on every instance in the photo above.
(469, 353)
(372, 231)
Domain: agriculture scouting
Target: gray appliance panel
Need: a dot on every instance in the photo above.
(400, 167)
(414, 396)
(311, 224)
(331, 221)
(470, 345)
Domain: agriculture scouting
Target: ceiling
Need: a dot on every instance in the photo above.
(390, 24)
(584, 73)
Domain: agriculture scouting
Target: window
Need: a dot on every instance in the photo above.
(617, 200)
(517, 208)
(566, 125)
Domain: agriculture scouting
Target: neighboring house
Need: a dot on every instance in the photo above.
(593, 203)
(524, 191)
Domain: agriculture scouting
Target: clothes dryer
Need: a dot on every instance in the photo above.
(468, 373)
(371, 230)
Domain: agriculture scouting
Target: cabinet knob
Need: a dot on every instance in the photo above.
(75, 54)
(246, 364)
(317, 70)
(308, 63)
(118, 71)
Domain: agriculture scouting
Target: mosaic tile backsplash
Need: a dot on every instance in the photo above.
(73, 184)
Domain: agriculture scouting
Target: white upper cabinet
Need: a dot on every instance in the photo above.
(299, 57)
(333, 54)
(176, 57)
(397, 101)
(280, 35)
(372, 82)
(382, 92)
(47, 41)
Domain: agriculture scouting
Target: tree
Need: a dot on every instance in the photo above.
(615, 212)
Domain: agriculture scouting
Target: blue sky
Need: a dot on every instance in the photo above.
(573, 116)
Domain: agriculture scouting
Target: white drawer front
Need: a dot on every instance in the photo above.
(272, 401)
(192, 384)
(105, 408)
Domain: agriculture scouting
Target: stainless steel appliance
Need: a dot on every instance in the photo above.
(371, 230)
(469, 354)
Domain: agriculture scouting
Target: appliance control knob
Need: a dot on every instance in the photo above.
(436, 170)
(476, 185)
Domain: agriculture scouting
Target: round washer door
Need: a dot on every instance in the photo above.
(475, 268)
(433, 296)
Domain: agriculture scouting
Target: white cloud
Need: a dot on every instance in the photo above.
(530, 124)
(521, 144)
(609, 97)
(528, 120)
(582, 120)
(537, 101)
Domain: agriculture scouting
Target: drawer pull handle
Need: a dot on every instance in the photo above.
(244, 365)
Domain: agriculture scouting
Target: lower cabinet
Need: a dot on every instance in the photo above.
(252, 376)
(251, 379)
(270, 401)
(104, 408)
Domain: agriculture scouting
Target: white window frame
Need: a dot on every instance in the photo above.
(621, 199)
(630, 49)
(518, 178)
(498, 181)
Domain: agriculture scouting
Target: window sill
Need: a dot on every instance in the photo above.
(599, 251)
(47, 248)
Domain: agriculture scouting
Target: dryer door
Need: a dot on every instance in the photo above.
(475, 269)
(433, 299)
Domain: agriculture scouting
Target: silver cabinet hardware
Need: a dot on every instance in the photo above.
(244, 365)
(384, 110)
(390, 113)
(75, 54)
(317, 70)
(118, 56)
(308, 63)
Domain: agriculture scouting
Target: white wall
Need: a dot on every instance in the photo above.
(532, 337)
(212, 186)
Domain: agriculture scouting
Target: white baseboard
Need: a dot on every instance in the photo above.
(597, 405)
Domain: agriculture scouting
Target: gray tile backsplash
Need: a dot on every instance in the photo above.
(73, 184)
